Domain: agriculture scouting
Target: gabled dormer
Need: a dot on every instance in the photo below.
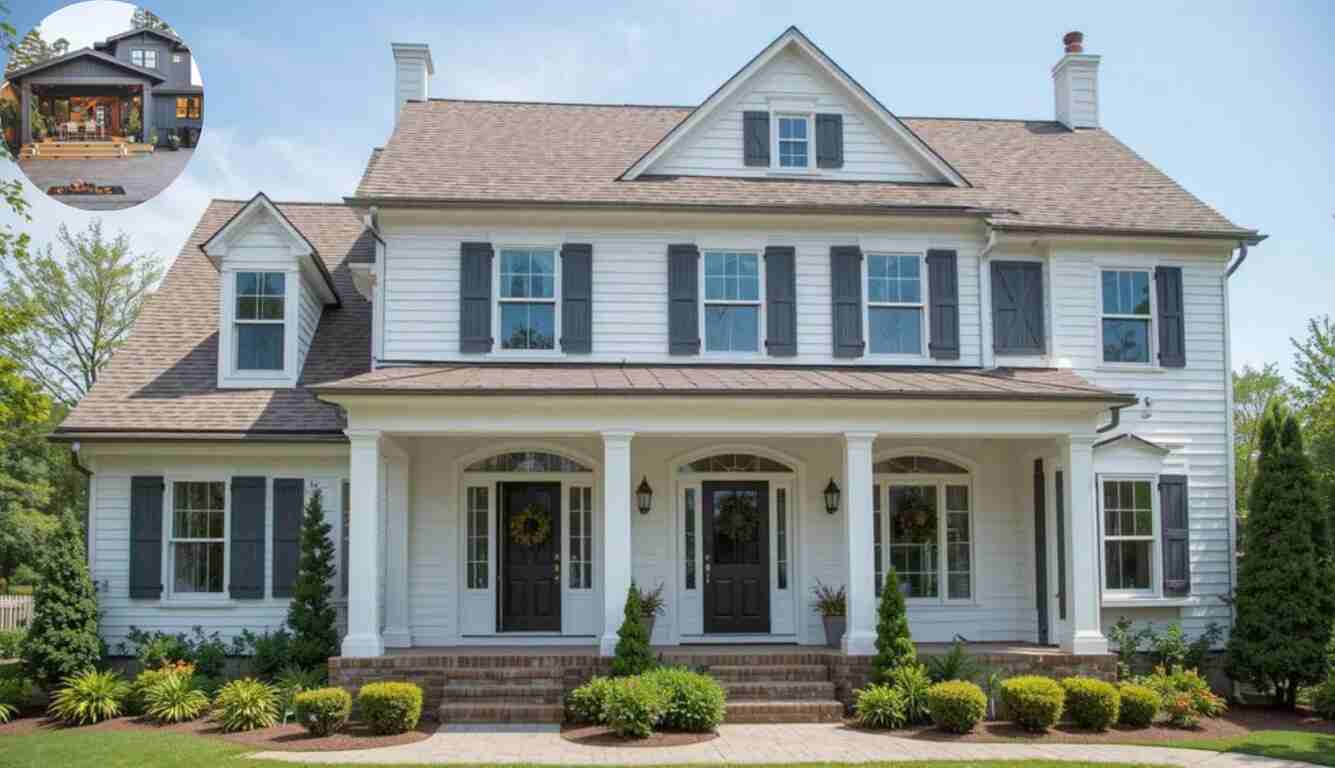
(272, 292)
(792, 112)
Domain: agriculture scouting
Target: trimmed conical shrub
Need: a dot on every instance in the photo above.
(311, 615)
(633, 655)
(894, 645)
(62, 640)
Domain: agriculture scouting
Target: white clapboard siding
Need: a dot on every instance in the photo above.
(309, 320)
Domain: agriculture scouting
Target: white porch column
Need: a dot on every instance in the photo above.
(363, 638)
(860, 635)
(397, 632)
(1082, 549)
(616, 535)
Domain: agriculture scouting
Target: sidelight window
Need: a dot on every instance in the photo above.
(689, 543)
(781, 534)
(478, 514)
(581, 538)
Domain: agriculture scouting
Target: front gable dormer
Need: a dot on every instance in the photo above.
(792, 112)
(273, 289)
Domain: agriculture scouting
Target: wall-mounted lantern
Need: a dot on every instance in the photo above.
(832, 497)
(644, 496)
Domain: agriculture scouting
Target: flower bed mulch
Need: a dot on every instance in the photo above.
(602, 736)
(290, 737)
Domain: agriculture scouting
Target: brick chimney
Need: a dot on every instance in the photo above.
(412, 71)
(1075, 81)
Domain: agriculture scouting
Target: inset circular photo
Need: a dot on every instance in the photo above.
(102, 104)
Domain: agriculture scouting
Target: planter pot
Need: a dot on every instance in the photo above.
(648, 622)
(834, 630)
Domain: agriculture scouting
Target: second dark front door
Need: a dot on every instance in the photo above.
(530, 553)
(736, 533)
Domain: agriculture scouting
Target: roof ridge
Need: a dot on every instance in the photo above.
(325, 203)
(536, 103)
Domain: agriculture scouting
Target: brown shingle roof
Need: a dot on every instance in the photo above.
(165, 379)
(1024, 173)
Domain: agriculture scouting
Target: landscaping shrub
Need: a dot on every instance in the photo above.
(311, 614)
(1181, 710)
(956, 705)
(293, 680)
(633, 655)
(136, 699)
(154, 650)
(323, 710)
(246, 704)
(881, 706)
(634, 706)
(1184, 695)
(89, 697)
(62, 640)
(1034, 703)
(11, 643)
(912, 682)
(695, 702)
(390, 708)
(176, 698)
(955, 664)
(1323, 699)
(1092, 704)
(272, 651)
(1140, 705)
(586, 703)
(15, 693)
(894, 645)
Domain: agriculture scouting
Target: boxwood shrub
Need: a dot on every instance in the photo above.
(634, 706)
(587, 703)
(695, 702)
(880, 706)
(956, 705)
(1091, 703)
(1035, 703)
(323, 710)
(390, 708)
(1140, 705)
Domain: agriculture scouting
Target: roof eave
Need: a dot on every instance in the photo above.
(62, 435)
(1250, 236)
(598, 205)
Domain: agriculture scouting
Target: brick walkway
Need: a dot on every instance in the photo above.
(793, 743)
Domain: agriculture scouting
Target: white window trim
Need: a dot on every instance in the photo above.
(586, 533)
(882, 483)
(1156, 582)
(229, 376)
(170, 594)
(497, 350)
(775, 163)
(760, 303)
(1152, 333)
(868, 305)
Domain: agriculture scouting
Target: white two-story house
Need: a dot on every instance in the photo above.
(779, 338)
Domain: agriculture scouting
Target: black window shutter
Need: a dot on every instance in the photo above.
(146, 538)
(1176, 535)
(755, 138)
(289, 496)
(1017, 307)
(846, 295)
(683, 299)
(475, 297)
(1172, 318)
(781, 300)
(247, 545)
(829, 141)
(577, 298)
(944, 285)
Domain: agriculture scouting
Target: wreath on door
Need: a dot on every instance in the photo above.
(531, 526)
(916, 519)
(736, 524)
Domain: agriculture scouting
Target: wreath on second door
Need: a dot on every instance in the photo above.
(737, 523)
(530, 527)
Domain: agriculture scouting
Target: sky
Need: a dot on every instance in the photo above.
(1230, 99)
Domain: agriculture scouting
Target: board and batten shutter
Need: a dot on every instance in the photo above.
(781, 300)
(846, 299)
(577, 298)
(829, 141)
(944, 302)
(1176, 525)
(1172, 318)
(755, 138)
(146, 537)
(475, 297)
(1017, 307)
(289, 496)
(246, 580)
(683, 299)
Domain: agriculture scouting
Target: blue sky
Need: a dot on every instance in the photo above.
(1230, 99)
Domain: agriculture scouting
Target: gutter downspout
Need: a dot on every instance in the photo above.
(1116, 411)
(1230, 470)
(983, 357)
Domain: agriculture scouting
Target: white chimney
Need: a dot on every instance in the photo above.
(1076, 84)
(412, 70)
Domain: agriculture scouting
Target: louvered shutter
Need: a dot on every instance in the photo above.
(577, 298)
(830, 141)
(943, 284)
(146, 538)
(289, 497)
(1017, 307)
(781, 300)
(846, 297)
(1176, 525)
(475, 297)
(246, 581)
(755, 138)
(1172, 318)
(683, 299)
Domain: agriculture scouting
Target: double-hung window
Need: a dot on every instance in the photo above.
(794, 141)
(1126, 316)
(260, 314)
(894, 304)
(732, 301)
(1128, 534)
(197, 547)
(146, 58)
(528, 298)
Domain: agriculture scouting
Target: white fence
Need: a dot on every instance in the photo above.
(15, 611)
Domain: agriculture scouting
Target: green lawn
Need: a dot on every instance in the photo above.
(1308, 747)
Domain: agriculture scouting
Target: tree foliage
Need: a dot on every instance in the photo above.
(311, 615)
(1253, 390)
(146, 19)
(633, 654)
(894, 645)
(62, 639)
(1314, 361)
(32, 49)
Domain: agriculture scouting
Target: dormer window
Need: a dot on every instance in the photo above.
(260, 312)
(794, 139)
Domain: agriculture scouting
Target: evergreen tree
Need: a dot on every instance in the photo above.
(1285, 594)
(146, 19)
(894, 646)
(633, 655)
(310, 615)
(62, 639)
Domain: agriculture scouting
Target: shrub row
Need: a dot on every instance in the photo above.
(667, 697)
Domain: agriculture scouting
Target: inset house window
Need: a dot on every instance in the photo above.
(1128, 534)
(187, 107)
(894, 304)
(146, 58)
(260, 307)
(477, 513)
(581, 538)
(198, 541)
(794, 141)
(1126, 316)
(177, 58)
(528, 298)
(732, 302)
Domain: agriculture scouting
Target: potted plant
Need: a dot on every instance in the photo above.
(832, 605)
(651, 607)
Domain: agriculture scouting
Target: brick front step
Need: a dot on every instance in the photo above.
(503, 675)
(489, 711)
(527, 691)
(727, 673)
(698, 660)
(813, 711)
(767, 690)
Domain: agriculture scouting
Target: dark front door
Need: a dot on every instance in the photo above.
(736, 529)
(530, 555)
